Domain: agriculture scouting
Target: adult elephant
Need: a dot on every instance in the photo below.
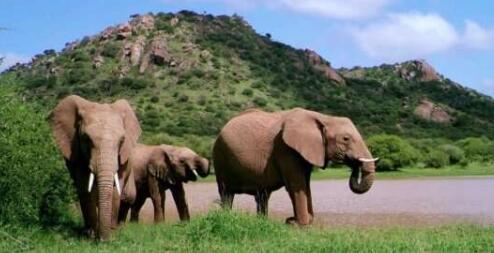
(258, 152)
(96, 141)
(158, 168)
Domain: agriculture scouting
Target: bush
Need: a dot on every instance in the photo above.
(111, 49)
(437, 159)
(34, 184)
(260, 101)
(247, 92)
(455, 154)
(477, 149)
(396, 150)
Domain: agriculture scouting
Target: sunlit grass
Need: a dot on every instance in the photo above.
(221, 231)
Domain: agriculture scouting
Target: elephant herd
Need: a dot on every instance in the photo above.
(255, 153)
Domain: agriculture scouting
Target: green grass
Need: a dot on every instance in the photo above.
(221, 231)
(472, 169)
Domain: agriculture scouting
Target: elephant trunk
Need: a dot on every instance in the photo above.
(366, 179)
(204, 167)
(105, 179)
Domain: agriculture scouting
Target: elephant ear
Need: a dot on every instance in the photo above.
(64, 120)
(302, 131)
(159, 157)
(132, 128)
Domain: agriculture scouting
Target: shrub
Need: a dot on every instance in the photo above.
(393, 148)
(34, 184)
(477, 149)
(437, 159)
(110, 49)
(154, 99)
(455, 154)
(247, 92)
(260, 101)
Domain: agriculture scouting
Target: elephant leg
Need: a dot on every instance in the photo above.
(262, 198)
(226, 197)
(309, 197)
(136, 208)
(295, 172)
(122, 212)
(156, 197)
(178, 194)
(88, 206)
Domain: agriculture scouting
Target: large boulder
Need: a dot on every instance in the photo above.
(123, 31)
(429, 111)
(142, 22)
(157, 54)
(418, 70)
(132, 51)
(319, 64)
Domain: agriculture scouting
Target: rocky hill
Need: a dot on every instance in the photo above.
(187, 74)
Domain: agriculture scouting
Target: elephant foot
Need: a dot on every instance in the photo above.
(293, 221)
(88, 232)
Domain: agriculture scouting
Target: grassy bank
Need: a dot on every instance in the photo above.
(472, 169)
(232, 232)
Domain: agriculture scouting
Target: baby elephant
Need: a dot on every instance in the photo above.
(158, 168)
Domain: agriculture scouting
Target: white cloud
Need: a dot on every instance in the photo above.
(478, 37)
(414, 35)
(339, 9)
(10, 59)
(404, 36)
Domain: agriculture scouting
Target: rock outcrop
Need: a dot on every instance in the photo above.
(123, 31)
(429, 111)
(157, 54)
(319, 64)
(133, 50)
(418, 70)
(142, 22)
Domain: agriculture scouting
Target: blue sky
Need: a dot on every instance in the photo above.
(456, 37)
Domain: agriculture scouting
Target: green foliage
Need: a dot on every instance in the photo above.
(111, 49)
(34, 183)
(437, 159)
(477, 149)
(455, 154)
(395, 151)
(247, 92)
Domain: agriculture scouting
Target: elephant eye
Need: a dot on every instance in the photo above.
(346, 138)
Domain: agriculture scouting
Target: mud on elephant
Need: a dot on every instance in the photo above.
(158, 168)
(96, 140)
(259, 152)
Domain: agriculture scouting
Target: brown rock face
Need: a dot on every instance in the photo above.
(123, 31)
(418, 70)
(98, 61)
(429, 111)
(323, 66)
(159, 51)
(144, 22)
(132, 51)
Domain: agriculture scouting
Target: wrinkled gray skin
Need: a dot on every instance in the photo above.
(97, 138)
(158, 168)
(258, 152)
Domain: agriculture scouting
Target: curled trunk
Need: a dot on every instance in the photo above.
(362, 178)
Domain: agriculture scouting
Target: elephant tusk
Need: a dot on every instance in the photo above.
(91, 181)
(117, 184)
(195, 173)
(368, 160)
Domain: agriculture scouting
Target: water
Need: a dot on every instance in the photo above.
(389, 202)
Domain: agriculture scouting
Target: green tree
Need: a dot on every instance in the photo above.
(393, 150)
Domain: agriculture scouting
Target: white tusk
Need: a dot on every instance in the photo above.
(117, 184)
(368, 160)
(91, 181)
(195, 173)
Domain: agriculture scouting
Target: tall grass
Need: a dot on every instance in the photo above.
(221, 231)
